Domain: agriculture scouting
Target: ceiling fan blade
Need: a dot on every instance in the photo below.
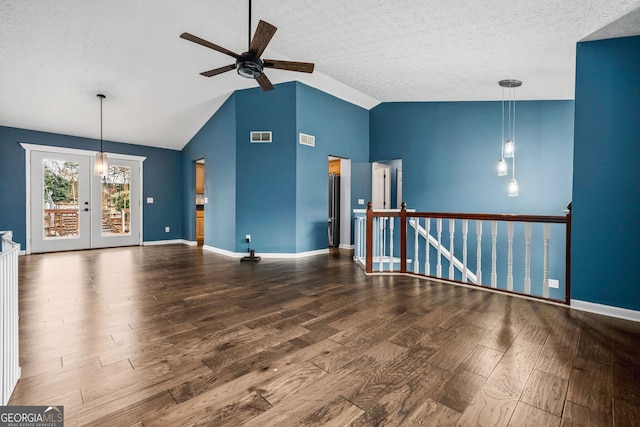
(210, 45)
(303, 67)
(220, 70)
(261, 38)
(264, 83)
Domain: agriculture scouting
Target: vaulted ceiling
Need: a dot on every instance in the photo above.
(57, 55)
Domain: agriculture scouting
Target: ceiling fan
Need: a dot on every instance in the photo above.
(249, 64)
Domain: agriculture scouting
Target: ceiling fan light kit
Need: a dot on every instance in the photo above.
(249, 64)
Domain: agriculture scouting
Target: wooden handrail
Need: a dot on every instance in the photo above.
(552, 219)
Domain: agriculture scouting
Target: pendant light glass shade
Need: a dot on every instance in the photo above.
(101, 166)
(513, 188)
(509, 149)
(502, 167)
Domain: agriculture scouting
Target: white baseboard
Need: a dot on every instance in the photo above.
(167, 242)
(272, 255)
(350, 247)
(223, 252)
(607, 310)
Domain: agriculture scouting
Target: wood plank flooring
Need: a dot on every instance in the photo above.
(172, 336)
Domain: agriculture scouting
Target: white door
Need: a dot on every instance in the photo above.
(71, 208)
(115, 217)
(381, 186)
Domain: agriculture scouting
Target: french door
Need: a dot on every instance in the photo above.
(71, 208)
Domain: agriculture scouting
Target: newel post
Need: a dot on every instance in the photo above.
(403, 238)
(369, 240)
(567, 269)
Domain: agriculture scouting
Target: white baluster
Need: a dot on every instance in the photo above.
(391, 225)
(510, 256)
(452, 229)
(479, 252)
(427, 264)
(439, 261)
(527, 258)
(381, 243)
(465, 232)
(494, 255)
(545, 284)
(416, 265)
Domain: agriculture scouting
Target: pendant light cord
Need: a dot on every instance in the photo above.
(101, 98)
(513, 97)
(502, 157)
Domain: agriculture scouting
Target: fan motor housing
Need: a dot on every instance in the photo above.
(249, 66)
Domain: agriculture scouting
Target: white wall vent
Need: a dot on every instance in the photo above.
(260, 136)
(309, 140)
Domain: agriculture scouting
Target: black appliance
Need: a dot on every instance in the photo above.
(334, 210)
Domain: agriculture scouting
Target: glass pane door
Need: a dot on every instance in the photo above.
(118, 195)
(60, 197)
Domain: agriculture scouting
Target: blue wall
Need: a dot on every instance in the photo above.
(606, 195)
(449, 153)
(215, 142)
(450, 150)
(266, 172)
(162, 174)
(341, 129)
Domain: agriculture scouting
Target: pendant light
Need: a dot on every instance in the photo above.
(101, 166)
(509, 146)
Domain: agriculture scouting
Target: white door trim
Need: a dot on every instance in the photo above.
(62, 150)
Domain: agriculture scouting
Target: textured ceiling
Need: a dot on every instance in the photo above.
(57, 55)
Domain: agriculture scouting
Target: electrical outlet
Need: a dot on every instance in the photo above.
(247, 238)
(149, 199)
(167, 229)
(554, 283)
(361, 202)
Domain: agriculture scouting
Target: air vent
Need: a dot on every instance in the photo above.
(260, 136)
(309, 140)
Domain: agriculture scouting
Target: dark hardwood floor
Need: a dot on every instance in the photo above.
(172, 336)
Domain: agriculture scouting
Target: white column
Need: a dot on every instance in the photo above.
(547, 236)
(465, 232)
(479, 252)
(439, 260)
(452, 230)
(427, 264)
(527, 258)
(391, 258)
(510, 256)
(416, 265)
(494, 254)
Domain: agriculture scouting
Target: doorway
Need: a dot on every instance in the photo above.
(339, 202)
(70, 208)
(200, 200)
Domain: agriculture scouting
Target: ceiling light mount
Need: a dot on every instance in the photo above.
(510, 83)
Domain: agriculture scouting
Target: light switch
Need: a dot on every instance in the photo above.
(206, 200)
(361, 201)
(149, 199)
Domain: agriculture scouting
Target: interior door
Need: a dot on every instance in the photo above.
(115, 217)
(71, 208)
(381, 186)
(60, 202)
